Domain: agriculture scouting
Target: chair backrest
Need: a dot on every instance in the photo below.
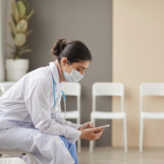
(150, 89)
(4, 86)
(107, 89)
(11, 161)
(73, 89)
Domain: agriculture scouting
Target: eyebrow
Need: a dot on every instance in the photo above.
(83, 67)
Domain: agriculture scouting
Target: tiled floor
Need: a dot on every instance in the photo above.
(108, 155)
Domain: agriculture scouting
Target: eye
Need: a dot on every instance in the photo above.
(78, 70)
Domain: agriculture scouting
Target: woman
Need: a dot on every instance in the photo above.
(27, 120)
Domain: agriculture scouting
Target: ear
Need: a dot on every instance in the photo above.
(64, 61)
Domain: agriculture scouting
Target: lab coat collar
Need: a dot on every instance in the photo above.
(55, 73)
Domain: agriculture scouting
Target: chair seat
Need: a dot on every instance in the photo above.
(108, 115)
(71, 114)
(152, 115)
(17, 159)
(11, 161)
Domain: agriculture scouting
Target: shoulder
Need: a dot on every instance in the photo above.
(41, 76)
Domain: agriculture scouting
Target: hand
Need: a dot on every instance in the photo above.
(92, 133)
(86, 126)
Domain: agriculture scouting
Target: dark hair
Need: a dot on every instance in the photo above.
(74, 51)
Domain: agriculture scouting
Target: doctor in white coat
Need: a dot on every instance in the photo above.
(27, 122)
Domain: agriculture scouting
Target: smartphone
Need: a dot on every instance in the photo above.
(105, 126)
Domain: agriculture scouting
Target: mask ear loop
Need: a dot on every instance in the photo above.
(70, 64)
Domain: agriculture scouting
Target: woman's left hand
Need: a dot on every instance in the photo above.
(86, 126)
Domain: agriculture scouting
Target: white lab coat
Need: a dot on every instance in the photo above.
(26, 121)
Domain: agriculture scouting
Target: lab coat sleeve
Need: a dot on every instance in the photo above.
(37, 97)
(73, 125)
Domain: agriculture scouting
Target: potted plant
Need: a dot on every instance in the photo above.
(16, 67)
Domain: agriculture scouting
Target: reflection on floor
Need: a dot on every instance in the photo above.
(108, 155)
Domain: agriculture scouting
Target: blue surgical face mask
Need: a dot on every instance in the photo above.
(74, 76)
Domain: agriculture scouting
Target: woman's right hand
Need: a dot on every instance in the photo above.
(92, 133)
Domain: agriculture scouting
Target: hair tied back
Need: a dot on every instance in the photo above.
(59, 47)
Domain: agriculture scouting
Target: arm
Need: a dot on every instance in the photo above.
(37, 96)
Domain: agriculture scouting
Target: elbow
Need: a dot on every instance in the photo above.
(44, 127)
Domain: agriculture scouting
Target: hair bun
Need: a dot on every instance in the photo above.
(59, 46)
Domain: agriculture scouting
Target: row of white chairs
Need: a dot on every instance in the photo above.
(99, 89)
(111, 89)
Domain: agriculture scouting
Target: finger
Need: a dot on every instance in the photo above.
(97, 129)
(98, 135)
(90, 124)
(98, 132)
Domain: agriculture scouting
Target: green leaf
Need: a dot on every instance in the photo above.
(15, 11)
(28, 32)
(22, 26)
(25, 51)
(31, 13)
(20, 39)
(12, 47)
(21, 8)
(12, 28)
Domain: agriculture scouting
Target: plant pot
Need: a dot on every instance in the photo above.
(15, 69)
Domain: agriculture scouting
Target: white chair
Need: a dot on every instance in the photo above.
(11, 161)
(20, 161)
(73, 89)
(108, 89)
(149, 89)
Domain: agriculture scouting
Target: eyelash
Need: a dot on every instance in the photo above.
(78, 70)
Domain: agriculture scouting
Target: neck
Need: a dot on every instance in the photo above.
(60, 71)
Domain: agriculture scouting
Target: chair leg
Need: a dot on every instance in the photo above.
(79, 145)
(122, 135)
(79, 140)
(125, 136)
(93, 120)
(91, 146)
(92, 143)
(141, 135)
(31, 158)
